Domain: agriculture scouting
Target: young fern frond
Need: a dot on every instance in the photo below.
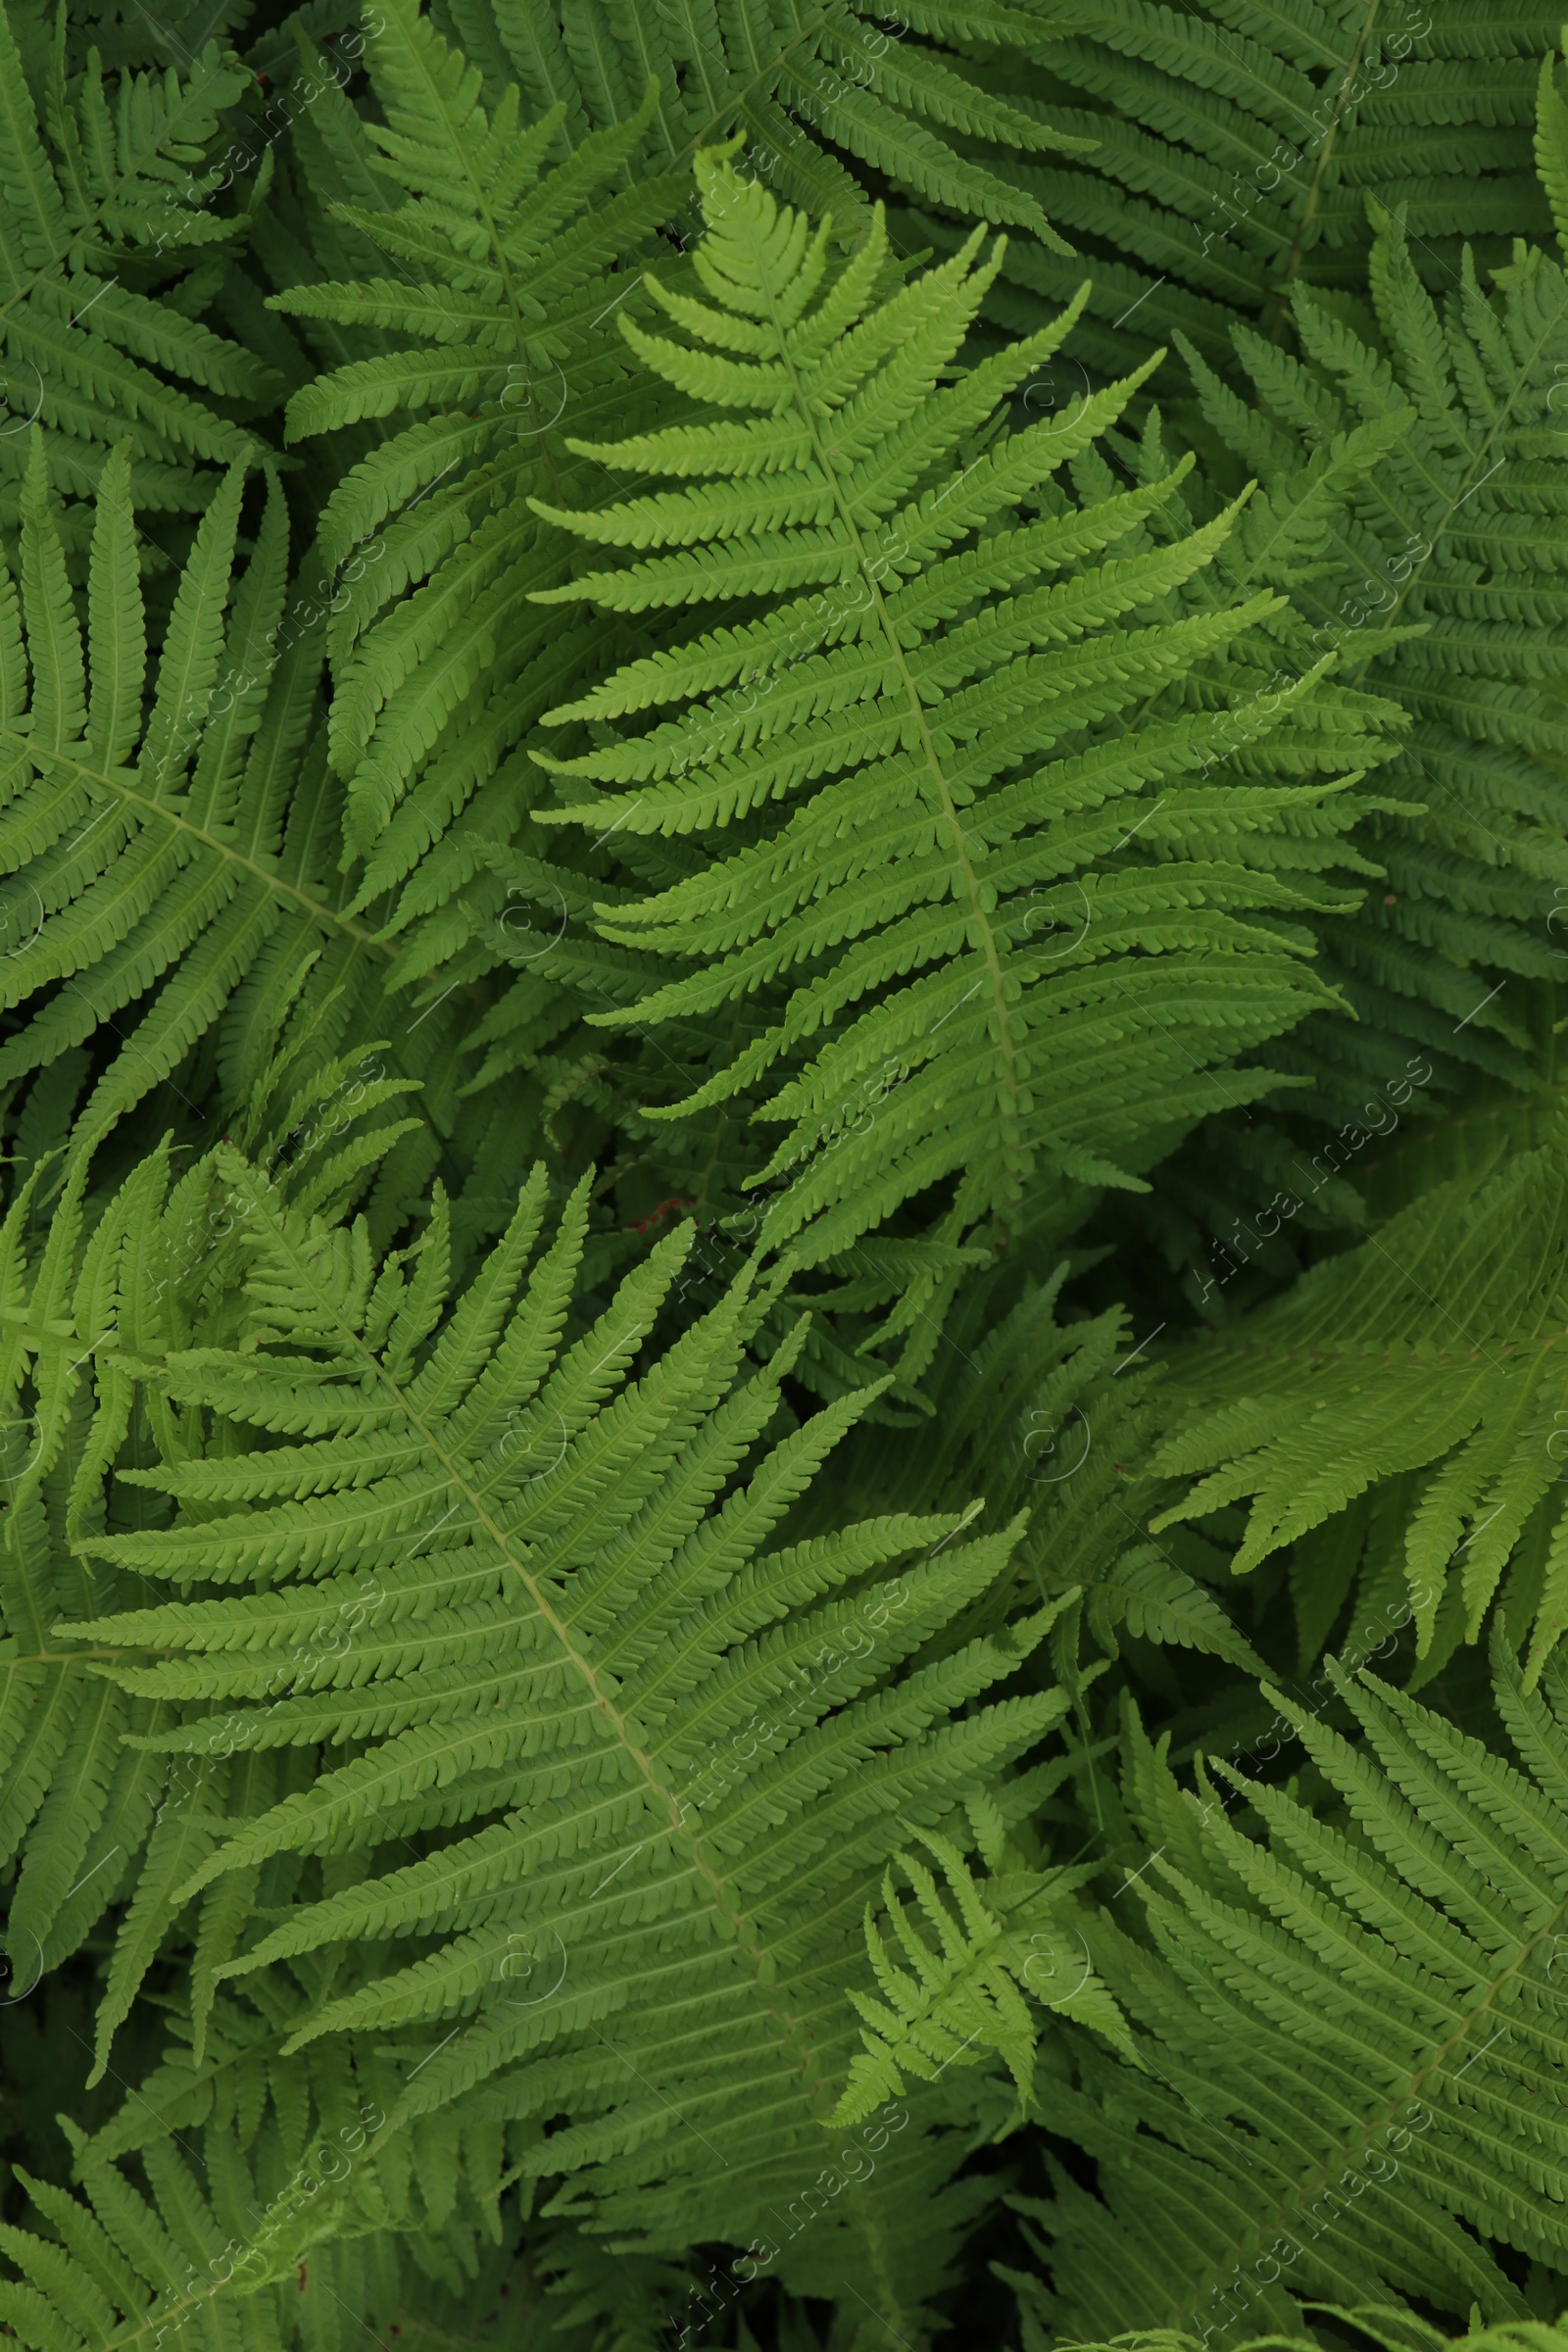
(968, 1997)
(1344, 2032)
(1007, 937)
(1413, 1399)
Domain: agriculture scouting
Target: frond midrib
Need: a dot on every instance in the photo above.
(740, 1927)
(148, 806)
(896, 655)
(1298, 241)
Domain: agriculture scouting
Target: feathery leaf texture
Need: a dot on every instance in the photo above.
(1412, 1396)
(1233, 145)
(625, 1753)
(90, 1309)
(161, 868)
(512, 273)
(1027, 972)
(689, 1753)
(1439, 581)
(100, 197)
(1348, 2032)
(977, 1980)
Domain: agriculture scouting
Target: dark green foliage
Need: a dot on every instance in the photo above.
(782, 811)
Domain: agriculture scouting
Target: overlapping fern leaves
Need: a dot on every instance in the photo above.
(164, 867)
(1414, 1403)
(499, 272)
(828, 94)
(979, 1978)
(96, 1289)
(1234, 148)
(524, 260)
(1389, 2327)
(1455, 533)
(106, 190)
(1354, 2028)
(269, 2237)
(526, 1770)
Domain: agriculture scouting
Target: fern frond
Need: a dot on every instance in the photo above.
(1234, 148)
(978, 1980)
(1455, 533)
(1348, 2029)
(99, 197)
(674, 1758)
(1424, 1356)
(938, 935)
(497, 346)
(92, 1307)
(163, 850)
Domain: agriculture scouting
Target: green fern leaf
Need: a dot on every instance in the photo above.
(902, 912)
(1424, 1355)
(1345, 2028)
(487, 1502)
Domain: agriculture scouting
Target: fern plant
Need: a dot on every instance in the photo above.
(1230, 150)
(107, 189)
(1349, 2014)
(1388, 2326)
(703, 1745)
(443, 670)
(1453, 538)
(1411, 1406)
(95, 1291)
(1414, 441)
(166, 830)
(941, 845)
(520, 266)
(830, 95)
(694, 1748)
(979, 1978)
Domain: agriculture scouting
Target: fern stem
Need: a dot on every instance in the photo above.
(736, 1920)
(147, 806)
(1298, 242)
(940, 790)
